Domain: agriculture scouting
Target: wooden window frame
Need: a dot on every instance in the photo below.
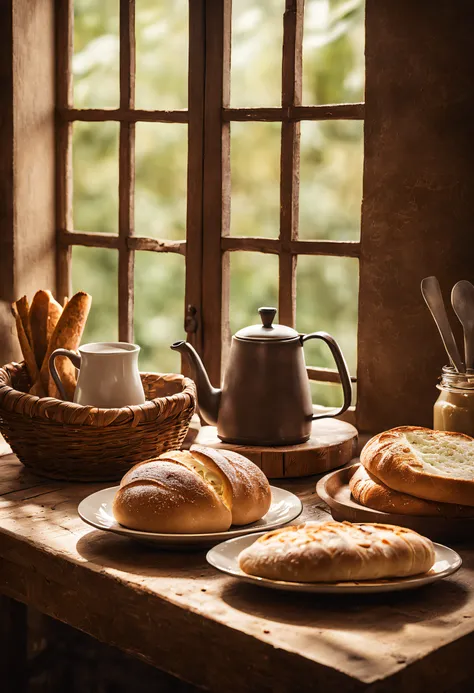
(417, 206)
(209, 117)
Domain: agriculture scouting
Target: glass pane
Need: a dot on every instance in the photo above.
(333, 51)
(95, 270)
(326, 394)
(255, 179)
(161, 54)
(332, 159)
(96, 54)
(327, 299)
(159, 310)
(330, 394)
(95, 176)
(257, 39)
(160, 187)
(253, 283)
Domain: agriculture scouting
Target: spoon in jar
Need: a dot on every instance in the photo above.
(462, 298)
(431, 291)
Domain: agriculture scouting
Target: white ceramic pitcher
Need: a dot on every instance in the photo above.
(108, 374)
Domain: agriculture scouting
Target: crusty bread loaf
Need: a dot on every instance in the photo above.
(367, 490)
(209, 472)
(162, 496)
(435, 465)
(251, 495)
(337, 552)
(192, 492)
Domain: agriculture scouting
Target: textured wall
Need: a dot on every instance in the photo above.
(418, 206)
(27, 203)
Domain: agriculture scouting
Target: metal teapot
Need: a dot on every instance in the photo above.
(266, 397)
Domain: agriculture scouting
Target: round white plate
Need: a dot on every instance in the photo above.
(96, 510)
(225, 556)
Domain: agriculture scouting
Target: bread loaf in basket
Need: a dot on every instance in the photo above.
(63, 440)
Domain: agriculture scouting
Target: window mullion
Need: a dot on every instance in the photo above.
(194, 210)
(126, 171)
(64, 97)
(290, 157)
(216, 186)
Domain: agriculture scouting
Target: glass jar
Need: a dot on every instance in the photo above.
(454, 408)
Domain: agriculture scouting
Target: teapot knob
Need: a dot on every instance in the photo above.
(267, 315)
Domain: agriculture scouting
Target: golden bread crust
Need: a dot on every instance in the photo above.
(197, 491)
(251, 495)
(338, 552)
(166, 496)
(389, 458)
(367, 490)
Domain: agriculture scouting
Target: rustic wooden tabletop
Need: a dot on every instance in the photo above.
(178, 613)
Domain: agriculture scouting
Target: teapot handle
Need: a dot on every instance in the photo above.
(341, 367)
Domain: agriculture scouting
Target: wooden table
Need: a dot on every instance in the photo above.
(176, 612)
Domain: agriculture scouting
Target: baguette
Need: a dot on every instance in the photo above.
(23, 311)
(336, 552)
(66, 335)
(26, 349)
(43, 317)
(434, 465)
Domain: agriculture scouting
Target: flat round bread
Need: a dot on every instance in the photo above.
(367, 490)
(338, 552)
(435, 465)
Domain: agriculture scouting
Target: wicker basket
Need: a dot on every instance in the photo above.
(62, 440)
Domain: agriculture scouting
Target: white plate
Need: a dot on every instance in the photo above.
(96, 510)
(224, 557)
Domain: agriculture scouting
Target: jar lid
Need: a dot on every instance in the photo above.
(267, 331)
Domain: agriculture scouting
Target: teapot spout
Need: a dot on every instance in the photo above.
(209, 398)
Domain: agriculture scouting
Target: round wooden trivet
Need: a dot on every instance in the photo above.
(331, 445)
(334, 490)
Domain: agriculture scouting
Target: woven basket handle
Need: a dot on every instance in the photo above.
(76, 360)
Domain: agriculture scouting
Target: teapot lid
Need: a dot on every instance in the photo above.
(267, 331)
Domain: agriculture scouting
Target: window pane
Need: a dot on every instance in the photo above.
(161, 54)
(95, 270)
(159, 310)
(330, 394)
(95, 176)
(257, 38)
(326, 394)
(332, 158)
(255, 179)
(253, 283)
(327, 299)
(161, 170)
(333, 51)
(96, 53)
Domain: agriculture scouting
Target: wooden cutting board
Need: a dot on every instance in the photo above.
(334, 490)
(332, 444)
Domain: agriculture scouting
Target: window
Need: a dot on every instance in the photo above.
(416, 207)
(256, 180)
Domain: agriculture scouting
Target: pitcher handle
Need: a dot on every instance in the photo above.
(76, 360)
(341, 367)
